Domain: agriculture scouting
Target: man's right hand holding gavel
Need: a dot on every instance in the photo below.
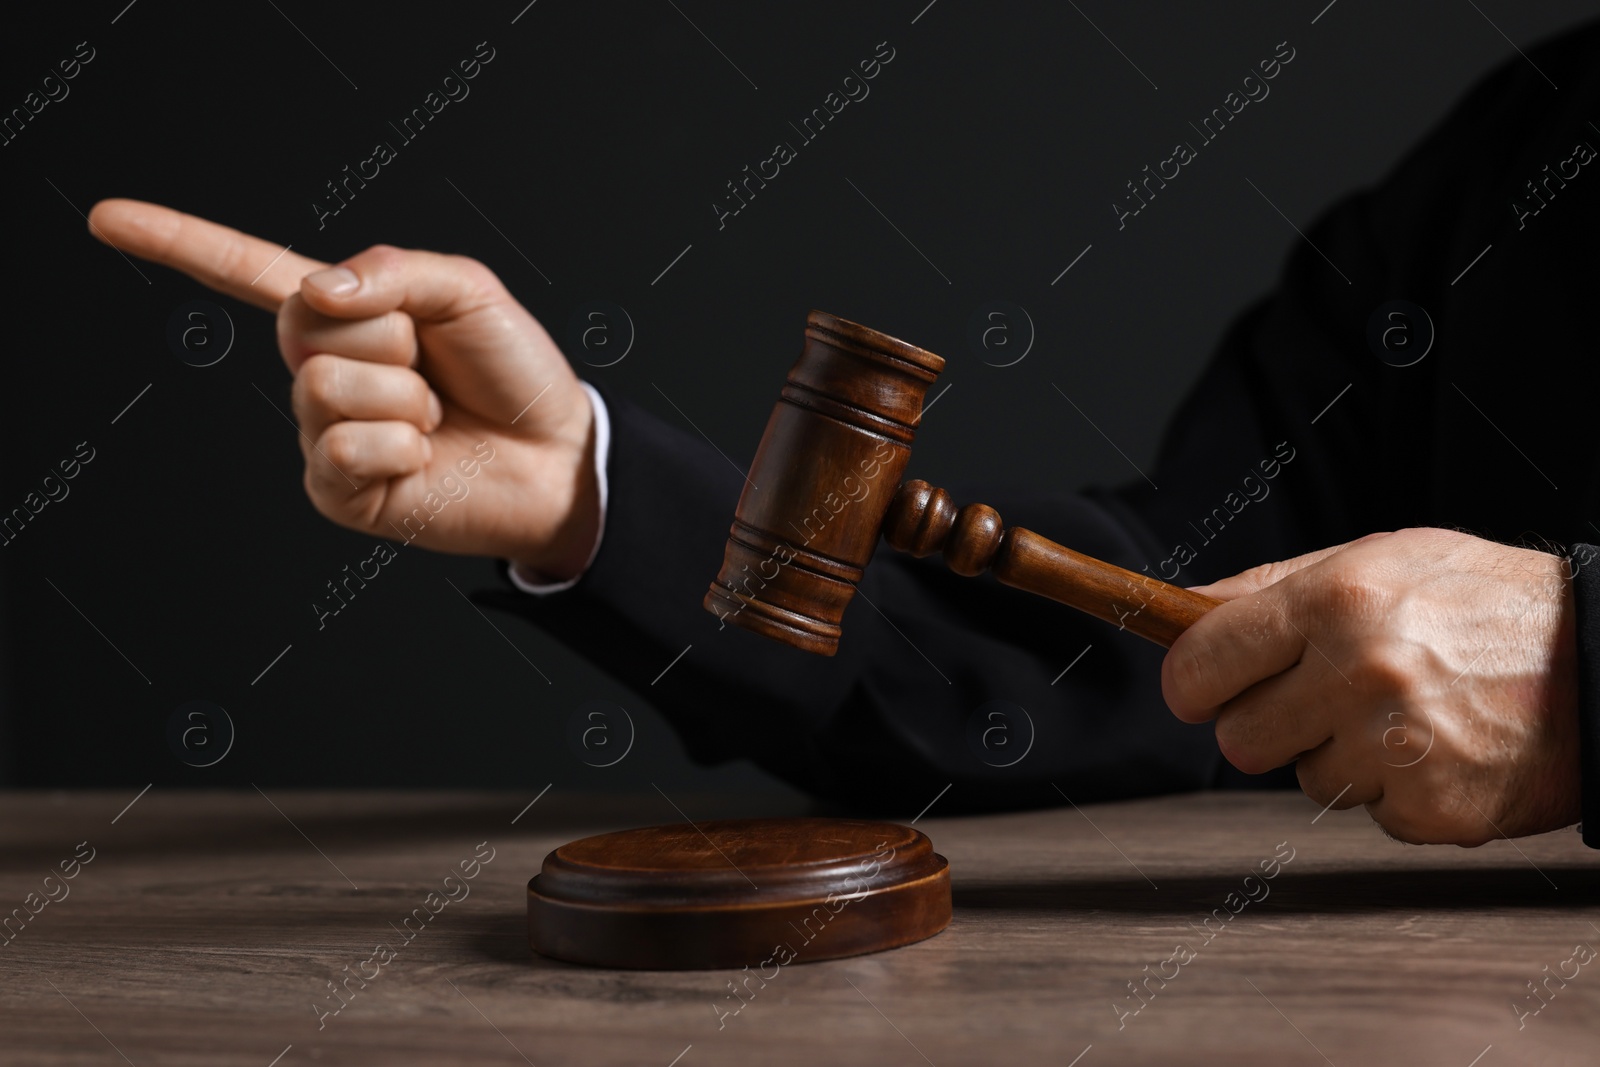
(405, 360)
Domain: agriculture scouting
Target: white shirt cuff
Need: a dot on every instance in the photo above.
(602, 449)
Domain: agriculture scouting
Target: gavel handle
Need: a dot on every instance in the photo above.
(922, 520)
(1134, 602)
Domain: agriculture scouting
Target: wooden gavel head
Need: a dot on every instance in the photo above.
(827, 468)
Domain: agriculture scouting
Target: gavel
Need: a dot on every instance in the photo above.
(826, 482)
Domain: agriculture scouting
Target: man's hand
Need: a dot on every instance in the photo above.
(1424, 673)
(409, 368)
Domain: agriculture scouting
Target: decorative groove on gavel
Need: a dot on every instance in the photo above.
(827, 474)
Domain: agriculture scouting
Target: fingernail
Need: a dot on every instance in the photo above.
(335, 281)
(435, 409)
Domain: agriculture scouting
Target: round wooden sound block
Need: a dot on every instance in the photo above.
(738, 892)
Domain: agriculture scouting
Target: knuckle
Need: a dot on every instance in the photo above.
(318, 489)
(399, 340)
(384, 256)
(1268, 574)
(469, 267)
(315, 388)
(318, 378)
(311, 482)
(417, 392)
(291, 328)
(1235, 747)
(1318, 780)
(1240, 736)
(1349, 593)
(1384, 671)
(475, 274)
(1404, 736)
(340, 446)
(231, 263)
(292, 313)
(1432, 536)
(1187, 676)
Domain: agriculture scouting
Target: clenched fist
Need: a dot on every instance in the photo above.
(417, 379)
(1429, 675)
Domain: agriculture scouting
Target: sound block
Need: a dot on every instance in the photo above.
(737, 892)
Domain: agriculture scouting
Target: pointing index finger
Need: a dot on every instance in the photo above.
(248, 268)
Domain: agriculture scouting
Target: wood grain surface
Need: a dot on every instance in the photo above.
(829, 461)
(923, 519)
(738, 894)
(207, 927)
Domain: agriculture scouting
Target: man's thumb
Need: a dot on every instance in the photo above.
(426, 285)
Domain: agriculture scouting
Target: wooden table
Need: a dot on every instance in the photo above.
(207, 925)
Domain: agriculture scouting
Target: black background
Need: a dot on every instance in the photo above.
(595, 142)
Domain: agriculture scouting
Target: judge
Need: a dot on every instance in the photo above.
(1411, 619)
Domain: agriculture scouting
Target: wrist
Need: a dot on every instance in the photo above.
(578, 453)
